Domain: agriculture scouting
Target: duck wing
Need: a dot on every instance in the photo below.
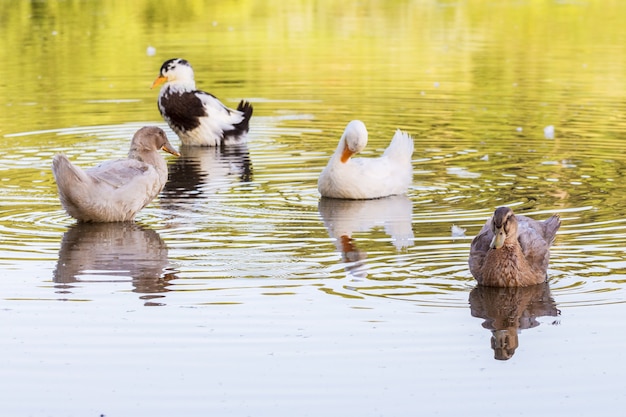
(118, 173)
(111, 191)
(378, 177)
(478, 250)
(535, 238)
(220, 117)
(126, 183)
(182, 110)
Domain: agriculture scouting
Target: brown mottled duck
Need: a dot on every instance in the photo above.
(512, 250)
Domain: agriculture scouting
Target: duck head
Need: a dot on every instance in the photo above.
(354, 139)
(149, 139)
(175, 70)
(503, 226)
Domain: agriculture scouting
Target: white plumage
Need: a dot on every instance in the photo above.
(115, 191)
(367, 178)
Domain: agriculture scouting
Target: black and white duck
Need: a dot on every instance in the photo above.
(198, 117)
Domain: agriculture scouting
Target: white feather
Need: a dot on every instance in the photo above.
(367, 178)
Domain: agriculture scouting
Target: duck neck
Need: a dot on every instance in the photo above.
(179, 86)
(149, 157)
(341, 150)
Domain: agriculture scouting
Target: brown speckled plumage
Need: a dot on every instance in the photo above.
(512, 250)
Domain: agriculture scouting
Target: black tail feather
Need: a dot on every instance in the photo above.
(246, 109)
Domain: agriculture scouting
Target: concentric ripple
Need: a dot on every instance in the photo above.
(253, 213)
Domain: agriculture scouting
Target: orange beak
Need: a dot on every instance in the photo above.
(346, 154)
(170, 149)
(159, 81)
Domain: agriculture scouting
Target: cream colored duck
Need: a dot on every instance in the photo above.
(512, 250)
(198, 117)
(367, 178)
(115, 191)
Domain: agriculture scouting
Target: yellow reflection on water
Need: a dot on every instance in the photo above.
(374, 58)
(476, 83)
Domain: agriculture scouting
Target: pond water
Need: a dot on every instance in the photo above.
(239, 291)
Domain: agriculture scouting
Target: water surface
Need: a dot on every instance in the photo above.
(239, 291)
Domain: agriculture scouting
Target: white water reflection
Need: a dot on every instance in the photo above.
(508, 311)
(112, 253)
(344, 218)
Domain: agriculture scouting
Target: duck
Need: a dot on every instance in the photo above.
(114, 191)
(197, 117)
(367, 178)
(512, 250)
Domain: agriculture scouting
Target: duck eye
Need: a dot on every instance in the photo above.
(507, 223)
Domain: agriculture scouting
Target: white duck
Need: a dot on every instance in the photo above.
(114, 191)
(198, 117)
(367, 178)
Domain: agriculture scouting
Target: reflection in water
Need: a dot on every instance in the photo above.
(342, 218)
(207, 170)
(101, 252)
(509, 310)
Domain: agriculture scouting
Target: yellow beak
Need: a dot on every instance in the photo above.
(159, 81)
(498, 240)
(346, 154)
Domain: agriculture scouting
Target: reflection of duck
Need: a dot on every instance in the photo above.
(509, 310)
(99, 251)
(115, 191)
(201, 170)
(367, 178)
(512, 250)
(197, 117)
(342, 218)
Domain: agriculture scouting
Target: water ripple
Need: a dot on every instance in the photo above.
(248, 219)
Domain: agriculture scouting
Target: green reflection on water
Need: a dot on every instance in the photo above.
(359, 58)
(474, 82)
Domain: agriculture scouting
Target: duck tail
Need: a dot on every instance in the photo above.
(401, 146)
(551, 226)
(245, 108)
(65, 173)
(67, 176)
